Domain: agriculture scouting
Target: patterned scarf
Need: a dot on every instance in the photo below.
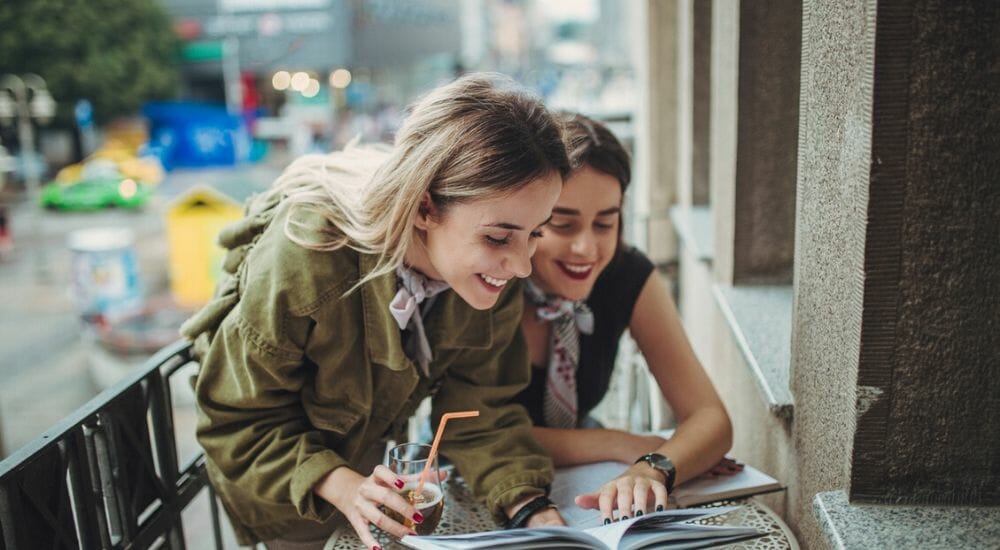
(415, 289)
(569, 318)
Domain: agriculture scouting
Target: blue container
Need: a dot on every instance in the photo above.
(105, 273)
(197, 135)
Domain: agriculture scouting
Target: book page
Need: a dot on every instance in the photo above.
(662, 524)
(656, 527)
(700, 490)
(513, 539)
(683, 535)
(577, 480)
(572, 481)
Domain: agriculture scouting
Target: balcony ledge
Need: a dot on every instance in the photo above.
(760, 317)
(761, 320)
(853, 525)
(694, 228)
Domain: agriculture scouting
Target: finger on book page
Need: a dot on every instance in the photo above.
(661, 496)
(625, 500)
(640, 497)
(607, 502)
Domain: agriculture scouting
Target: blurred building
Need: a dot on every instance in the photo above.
(305, 60)
(261, 36)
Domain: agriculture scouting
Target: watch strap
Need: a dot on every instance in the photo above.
(528, 510)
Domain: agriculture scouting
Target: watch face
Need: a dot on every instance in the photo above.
(660, 462)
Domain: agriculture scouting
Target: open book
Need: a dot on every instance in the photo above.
(668, 529)
(576, 480)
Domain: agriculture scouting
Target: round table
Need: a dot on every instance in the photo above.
(464, 514)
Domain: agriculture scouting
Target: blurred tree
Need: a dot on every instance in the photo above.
(116, 53)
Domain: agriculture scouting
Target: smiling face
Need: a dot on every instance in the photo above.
(476, 247)
(581, 239)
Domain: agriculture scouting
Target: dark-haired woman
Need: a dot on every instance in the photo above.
(585, 289)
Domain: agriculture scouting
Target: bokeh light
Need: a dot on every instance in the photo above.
(312, 88)
(300, 80)
(281, 80)
(340, 78)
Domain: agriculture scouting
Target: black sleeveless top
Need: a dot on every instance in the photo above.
(612, 300)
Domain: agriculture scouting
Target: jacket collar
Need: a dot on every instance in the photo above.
(452, 323)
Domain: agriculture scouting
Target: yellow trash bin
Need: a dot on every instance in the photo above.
(194, 220)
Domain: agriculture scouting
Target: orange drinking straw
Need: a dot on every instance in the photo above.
(437, 440)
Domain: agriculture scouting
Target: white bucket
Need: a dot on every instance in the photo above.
(105, 274)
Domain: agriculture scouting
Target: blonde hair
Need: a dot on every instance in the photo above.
(477, 137)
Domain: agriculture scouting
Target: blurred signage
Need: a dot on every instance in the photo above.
(269, 24)
(388, 33)
(271, 5)
(407, 13)
(202, 51)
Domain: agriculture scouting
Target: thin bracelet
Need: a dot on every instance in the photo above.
(528, 510)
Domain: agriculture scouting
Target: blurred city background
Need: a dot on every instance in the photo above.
(132, 131)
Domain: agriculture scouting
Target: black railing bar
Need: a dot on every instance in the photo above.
(175, 364)
(155, 527)
(176, 352)
(193, 464)
(96, 497)
(162, 425)
(7, 520)
(109, 489)
(60, 429)
(77, 491)
(216, 525)
(189, 488)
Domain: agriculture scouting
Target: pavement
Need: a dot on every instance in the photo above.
(47, 353)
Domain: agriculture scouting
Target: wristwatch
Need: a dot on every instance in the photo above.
(663, 465)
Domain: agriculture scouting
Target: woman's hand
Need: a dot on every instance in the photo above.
(725, 467)
(637, 491)
(361, 499)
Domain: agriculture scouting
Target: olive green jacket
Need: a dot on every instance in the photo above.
(298, 379)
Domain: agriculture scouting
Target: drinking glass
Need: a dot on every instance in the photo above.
(408, 461)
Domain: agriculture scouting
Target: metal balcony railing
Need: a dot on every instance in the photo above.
(108, 475)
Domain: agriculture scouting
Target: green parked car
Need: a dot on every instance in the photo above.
(94, 194)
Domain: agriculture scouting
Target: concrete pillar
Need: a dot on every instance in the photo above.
(832, 192)
(896, 329)
(656, 126)
(701, 42)
(929, 367)
(753, 135)
(723, 93)
(694, 31)
(685, 100)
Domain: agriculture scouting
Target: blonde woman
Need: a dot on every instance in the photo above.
(586, 288)
(362, 283)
